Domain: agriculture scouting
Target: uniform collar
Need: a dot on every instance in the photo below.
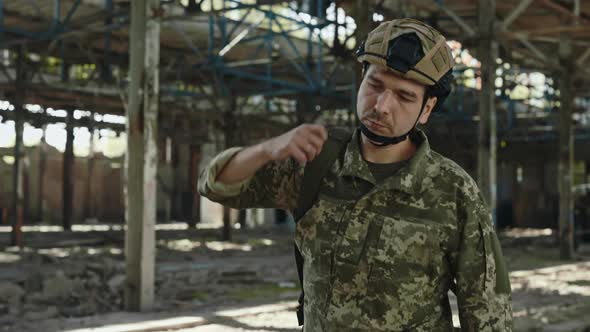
(354, 164)
(408, 179)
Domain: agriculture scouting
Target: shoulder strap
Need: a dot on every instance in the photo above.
(316, 169)
(312, 178)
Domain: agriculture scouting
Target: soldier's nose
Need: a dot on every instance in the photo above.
(384, 101)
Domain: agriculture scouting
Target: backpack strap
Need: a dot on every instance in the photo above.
(313, 174)
(316, 170)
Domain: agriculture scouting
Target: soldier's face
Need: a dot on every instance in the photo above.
(389, 105)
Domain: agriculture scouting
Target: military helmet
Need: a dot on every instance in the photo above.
(413, 50)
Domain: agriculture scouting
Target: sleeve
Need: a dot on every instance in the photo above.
(275, 185)
(483, 286)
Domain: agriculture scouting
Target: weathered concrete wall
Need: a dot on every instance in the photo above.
(107, 201)
(532, 202)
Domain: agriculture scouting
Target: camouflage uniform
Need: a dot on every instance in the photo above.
(382, 256)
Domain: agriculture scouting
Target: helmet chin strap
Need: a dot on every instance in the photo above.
(381, 141)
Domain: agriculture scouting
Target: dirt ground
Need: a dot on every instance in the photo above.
(74, 282)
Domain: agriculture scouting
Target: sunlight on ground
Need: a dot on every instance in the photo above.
(221, 246)
(267, 312)
(175, 226)
(527, 232)
(562, 279)
(154, 325)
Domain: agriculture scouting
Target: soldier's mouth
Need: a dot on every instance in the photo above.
(373, 124)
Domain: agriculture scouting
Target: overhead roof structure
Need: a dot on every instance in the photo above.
(78, 55)
(79, 49)
(528, 30)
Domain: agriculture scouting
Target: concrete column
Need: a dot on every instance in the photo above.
(227, 224)
(182, 180)
(566, 151)
(242, 218)
(194, 176)
(41, 177)
(88, 204)
(487, 54)
(17, 167)
(168, 179)
(18, 178)
(68, 174)
(176, 183)
(141, 159)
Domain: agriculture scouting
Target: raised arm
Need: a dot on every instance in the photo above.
(263, 175)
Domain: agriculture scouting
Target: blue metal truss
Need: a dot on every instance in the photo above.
(56, 27)
(311, 81)
(316, 81)
(107, 72)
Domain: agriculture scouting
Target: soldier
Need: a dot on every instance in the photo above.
(394, 225)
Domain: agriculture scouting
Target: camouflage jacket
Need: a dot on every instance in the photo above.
(382, 256)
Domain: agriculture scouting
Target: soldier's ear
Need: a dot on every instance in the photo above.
(430, 103)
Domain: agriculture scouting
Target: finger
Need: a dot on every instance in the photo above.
(319, 130)
(298, 154)
(308, 149)
(316, 141)
(307, 137)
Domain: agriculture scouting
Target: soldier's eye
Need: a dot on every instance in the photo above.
(374, 84)
(406, 99)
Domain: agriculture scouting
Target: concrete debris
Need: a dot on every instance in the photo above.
(49, 312)
(11, 294)
(239, 277)
(34, 280)
(116, 283)
(93, 281)
(59, 287)
(81, 282)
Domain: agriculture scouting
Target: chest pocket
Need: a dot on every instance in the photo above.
(402, 282)
(404, 249)
(317, 229)
(316, 237)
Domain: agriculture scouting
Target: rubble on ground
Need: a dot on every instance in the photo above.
(38, 284)
(197, 271)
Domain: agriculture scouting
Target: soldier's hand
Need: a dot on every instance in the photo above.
(303, 143)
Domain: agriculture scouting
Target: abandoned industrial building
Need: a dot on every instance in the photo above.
(429, 159)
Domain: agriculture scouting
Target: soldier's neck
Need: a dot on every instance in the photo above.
(387, 154)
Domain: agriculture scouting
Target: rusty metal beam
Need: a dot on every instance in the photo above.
(583, 57)
(488, 50)
(68, 174)
(17, 167)
(460, 22)
(537, 52)
(564, 10)
(566, 152)
(515, 13)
